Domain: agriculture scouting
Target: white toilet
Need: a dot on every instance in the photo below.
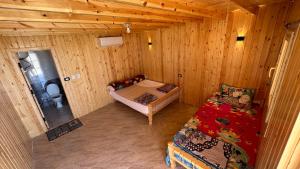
(54, 92)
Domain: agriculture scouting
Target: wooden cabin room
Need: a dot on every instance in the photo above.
(149, 84)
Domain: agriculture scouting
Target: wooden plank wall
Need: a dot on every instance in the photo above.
(286, 110)
(247, 63)
(194, 49)
(282, 120)
(73, 53)
(206, 53)
(15, 143)
(294, 12)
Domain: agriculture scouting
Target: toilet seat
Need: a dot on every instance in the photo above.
(53, 90)
(54, 97)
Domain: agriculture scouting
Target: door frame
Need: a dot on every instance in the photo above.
(37, 110)
(33, 94)
(290, 34)
(282, 61)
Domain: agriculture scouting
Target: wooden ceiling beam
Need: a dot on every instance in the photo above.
(172, 6)
(31, 32)
(103, 14)
(74, 29)
(91, 7)
(12, 24)
(39, 16)
(247, 6)
(133, 8)
(55, 25)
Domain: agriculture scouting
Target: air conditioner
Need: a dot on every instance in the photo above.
(110, 41)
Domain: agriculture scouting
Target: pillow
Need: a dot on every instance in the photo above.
(238, 97)
(138, 78)
(127, 82)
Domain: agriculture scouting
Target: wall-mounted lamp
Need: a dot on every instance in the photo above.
(149, 43)
(240, 38)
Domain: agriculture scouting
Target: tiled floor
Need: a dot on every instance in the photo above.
(113, 137)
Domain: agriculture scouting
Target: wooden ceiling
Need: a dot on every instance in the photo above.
(110, 15)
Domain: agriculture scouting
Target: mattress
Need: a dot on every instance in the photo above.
(128, 94)
(222, 136)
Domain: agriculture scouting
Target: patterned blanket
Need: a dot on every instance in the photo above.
(222, 136)
(166, 88)
(145, 98)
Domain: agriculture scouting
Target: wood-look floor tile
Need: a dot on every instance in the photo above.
(113, 137)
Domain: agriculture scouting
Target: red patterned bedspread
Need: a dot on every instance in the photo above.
(232, 125)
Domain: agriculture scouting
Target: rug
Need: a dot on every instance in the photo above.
(63, 129)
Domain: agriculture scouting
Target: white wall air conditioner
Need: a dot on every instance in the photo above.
(110, 41)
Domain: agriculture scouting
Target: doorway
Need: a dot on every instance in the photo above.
(40, 73)
(280, 72)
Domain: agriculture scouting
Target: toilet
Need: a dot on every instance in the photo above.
(54, 92)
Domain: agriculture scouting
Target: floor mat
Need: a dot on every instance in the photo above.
(63, 129)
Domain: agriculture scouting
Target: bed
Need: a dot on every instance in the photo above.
(219, 135)
(127, 95)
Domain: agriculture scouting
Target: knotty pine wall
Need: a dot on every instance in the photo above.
(206, 53)
(294, 12)
(15, 143)
(247, 64)
(282, 120)
(194, 49)
(286, 110)
(74, 53)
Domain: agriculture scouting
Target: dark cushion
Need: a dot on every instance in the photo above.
(127, 82)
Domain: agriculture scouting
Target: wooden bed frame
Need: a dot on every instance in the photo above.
(185, 158)
(158, 101)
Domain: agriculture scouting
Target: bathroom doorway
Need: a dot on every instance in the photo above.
(40, 73)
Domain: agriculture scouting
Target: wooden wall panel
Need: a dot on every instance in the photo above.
(280, 144)
(15, 142)
(206, 53)
(294, 12)
(194, 50)
(286, 111)
(151, 55)
(246, 64)
(202, 59)
(16, 88)
(73, 53)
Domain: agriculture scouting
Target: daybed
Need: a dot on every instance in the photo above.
(137, 86)
(221, 134)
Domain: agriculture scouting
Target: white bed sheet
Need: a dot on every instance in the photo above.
(146, 85)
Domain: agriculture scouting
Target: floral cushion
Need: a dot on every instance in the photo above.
(128, 82)
(237, 97)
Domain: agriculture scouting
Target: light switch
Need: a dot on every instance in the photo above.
(73, 77)
(77, 75)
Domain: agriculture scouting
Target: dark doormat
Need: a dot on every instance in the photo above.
(63, 129)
